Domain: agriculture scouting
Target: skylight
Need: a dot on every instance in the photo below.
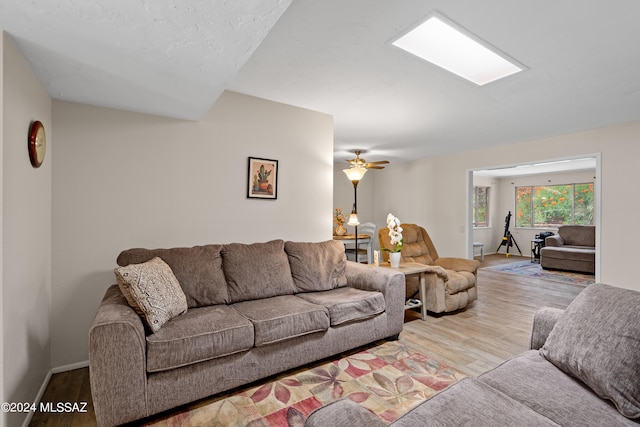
(448, 46)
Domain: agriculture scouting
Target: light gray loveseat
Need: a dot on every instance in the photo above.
(573, 249)
(582, 370)
(252, 310)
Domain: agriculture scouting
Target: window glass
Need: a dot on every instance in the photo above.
(583, 210)
(523, 206)
(554, 205)
(481, 206)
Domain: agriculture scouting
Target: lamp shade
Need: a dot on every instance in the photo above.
(353, 219)
(355, 173)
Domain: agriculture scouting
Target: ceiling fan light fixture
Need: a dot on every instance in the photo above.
(447, 45)
(355, 173)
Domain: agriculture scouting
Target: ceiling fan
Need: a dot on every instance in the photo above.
(358, 162)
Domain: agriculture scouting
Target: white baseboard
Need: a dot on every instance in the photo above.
(43, 387)
(70, 367)
(45, 383)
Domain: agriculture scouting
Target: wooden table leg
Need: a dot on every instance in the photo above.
(423, 295)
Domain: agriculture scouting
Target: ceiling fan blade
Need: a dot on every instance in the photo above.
(381, 162)
(358, 161)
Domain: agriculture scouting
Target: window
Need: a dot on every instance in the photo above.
(554, 205)
(481, 206)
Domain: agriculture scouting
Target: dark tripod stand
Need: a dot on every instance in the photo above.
(508, 240)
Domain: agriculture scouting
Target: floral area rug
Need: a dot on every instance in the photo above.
(531, 269)
(388, 379)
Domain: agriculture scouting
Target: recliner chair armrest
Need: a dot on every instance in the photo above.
(458, 264)
(543, 322)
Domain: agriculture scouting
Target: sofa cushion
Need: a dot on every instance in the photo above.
(578, 235)
(153, 291)
(283, 317)
(343, 412)
(317, 266)
(471, 403)
(347, 304)
(570, 253)
(198, 270)
(200, 334)
(535, 382)
(601, 349)
(257, 270)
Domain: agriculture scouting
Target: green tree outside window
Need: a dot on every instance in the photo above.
(554, 205)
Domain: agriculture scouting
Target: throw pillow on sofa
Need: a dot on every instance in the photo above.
(599, 349)
(153, 291)
(256, 270)
(317, 266)
(198, 270)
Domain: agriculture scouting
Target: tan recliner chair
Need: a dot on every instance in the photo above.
(451, 283)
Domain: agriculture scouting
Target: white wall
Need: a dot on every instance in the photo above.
(125, 180)
(405, 192)
(438, 197)
(26, 234)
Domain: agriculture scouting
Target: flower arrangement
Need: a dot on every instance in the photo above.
(395, 232)
(340, 219)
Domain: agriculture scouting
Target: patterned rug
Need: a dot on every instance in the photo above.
(388, 379)
(531, 269)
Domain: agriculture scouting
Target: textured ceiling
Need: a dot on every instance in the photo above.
(175, 58)
(169, 58)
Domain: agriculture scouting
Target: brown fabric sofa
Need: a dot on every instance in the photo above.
(573, 249)
(254, 310)
(582, 370)
(451, 284)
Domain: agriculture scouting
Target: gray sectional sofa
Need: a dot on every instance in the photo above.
(186, 323)
(582, 370)
(572, 249)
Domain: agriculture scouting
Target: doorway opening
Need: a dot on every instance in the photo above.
(497, 188)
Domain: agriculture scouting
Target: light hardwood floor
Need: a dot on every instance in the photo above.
(493, 329)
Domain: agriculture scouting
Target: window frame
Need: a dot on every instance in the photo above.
(474, 204)
(530, 190)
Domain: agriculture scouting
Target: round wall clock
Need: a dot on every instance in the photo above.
(37, 144)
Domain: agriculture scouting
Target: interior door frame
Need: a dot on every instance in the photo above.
(597, 197)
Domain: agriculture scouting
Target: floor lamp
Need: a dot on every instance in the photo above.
(355, 174)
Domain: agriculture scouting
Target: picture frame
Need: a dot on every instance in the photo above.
(262, 178)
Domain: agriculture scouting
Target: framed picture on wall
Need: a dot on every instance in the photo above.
(262, 178)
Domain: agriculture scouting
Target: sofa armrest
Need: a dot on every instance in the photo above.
(117, 361)
(386, 280)
(344, 412)
(458, 264)
(555, 240)
(543, 322)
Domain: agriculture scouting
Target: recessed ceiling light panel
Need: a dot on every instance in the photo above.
(449, 46)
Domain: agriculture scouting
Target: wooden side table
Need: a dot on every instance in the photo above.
(409, 269)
